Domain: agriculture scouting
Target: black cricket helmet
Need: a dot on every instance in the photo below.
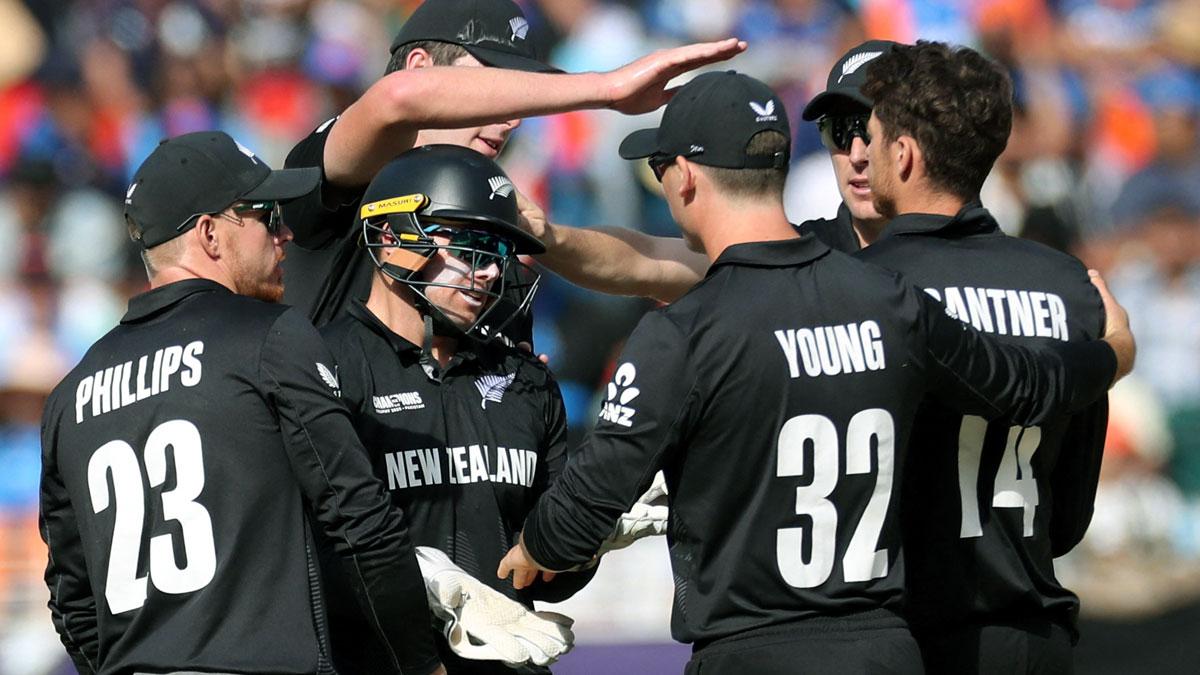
(456, 194)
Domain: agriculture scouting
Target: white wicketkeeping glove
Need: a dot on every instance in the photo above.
(483, 624)
(647, 518)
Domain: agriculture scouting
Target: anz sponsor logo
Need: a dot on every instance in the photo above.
(621, 393)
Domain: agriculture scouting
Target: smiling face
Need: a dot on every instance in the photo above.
(460, 289)
(487, 140)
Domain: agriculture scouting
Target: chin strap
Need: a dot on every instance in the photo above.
(428, 363)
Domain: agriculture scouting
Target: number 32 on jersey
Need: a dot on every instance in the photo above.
(871, 429)
(124, 589)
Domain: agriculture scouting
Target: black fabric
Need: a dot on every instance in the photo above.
(868, 642)
(465, 467)
(1023, 648)
(222, 407)
(198, 173)
(846, 78)
(996, 566)
(837, 233)
(494, 31)
(733, 392)
(711, 121)
(327, 265)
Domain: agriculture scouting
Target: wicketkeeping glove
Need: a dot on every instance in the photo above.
(483, 624)
(647, 518)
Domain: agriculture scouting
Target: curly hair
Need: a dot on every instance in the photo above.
(955, 102)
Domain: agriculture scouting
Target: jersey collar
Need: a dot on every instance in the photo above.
(404, 348)
(971, 219)
(145, 305)
(785, 253)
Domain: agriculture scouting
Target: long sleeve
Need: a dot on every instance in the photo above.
(348, 501)
(1076, 477)
(554, 450)
(648, 409)
(72, 603)
(975, 373)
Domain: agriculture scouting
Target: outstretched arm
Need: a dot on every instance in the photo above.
(385, 120)
(615, 260)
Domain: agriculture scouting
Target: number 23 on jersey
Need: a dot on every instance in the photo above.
(123, 588)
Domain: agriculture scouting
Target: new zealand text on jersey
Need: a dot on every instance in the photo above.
(463, 464)
(117, 386)
(1006, 312)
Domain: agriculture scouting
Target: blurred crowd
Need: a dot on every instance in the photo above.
(1104, 161)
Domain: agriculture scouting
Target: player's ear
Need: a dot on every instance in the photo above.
(909, 159)
(418, 58)
(687, 178)
(208, 236)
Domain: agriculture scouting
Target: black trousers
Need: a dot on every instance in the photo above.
(874, 643)
(1021, 648)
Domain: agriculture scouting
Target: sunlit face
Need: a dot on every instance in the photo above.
(461, 306)
(254, 254)
(881, 171)
(488, 140)
(850, 159)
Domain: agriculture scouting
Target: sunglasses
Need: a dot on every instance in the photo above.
(273, 220)
(838, 131)
(659, 165)
(464, 243)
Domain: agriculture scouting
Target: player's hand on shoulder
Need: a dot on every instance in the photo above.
(641, 86)
(1116, 327)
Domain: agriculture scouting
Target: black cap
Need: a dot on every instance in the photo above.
(847, 78)
(198, 173)
(711, 120)
(494, 31)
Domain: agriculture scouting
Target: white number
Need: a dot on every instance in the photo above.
(1015, 486)
(861, 561)
(124, 590)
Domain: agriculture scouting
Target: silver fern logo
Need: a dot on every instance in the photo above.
(330, 378)
(129, 193)
(501, 186)
(764, 111)
(492, 387)
(855, 62)
(519, 26)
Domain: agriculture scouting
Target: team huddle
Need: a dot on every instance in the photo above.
(320, 442)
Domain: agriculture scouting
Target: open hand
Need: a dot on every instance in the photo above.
(641, 86)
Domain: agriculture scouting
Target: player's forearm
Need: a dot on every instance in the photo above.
(621, 261)
(384, 122)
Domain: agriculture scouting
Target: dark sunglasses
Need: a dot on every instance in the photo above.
(273, 221)
(659, 165)
(464, 242)
(838, 131)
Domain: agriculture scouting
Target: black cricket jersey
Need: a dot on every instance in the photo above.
(327, 264)
(837, 233)
(777, 396)
(989, 505)
(465, 450)
(179, 461)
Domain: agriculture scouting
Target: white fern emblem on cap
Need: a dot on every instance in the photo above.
(492, 387)
(855, 62)
(328, 376)
(519, 26)
(500, 186)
